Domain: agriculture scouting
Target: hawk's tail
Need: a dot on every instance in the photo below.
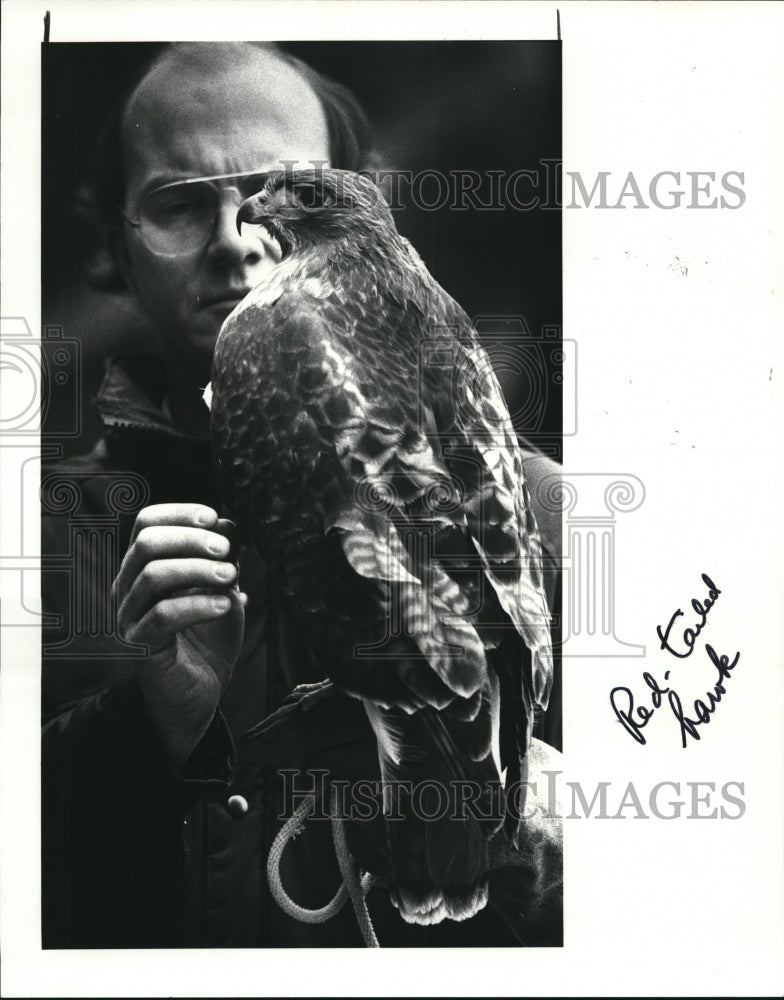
(441, 807)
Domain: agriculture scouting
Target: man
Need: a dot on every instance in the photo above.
(161, 792)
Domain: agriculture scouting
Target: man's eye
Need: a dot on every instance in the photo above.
(175, 208)
(173, 205)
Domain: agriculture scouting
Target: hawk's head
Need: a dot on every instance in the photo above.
(307, 207)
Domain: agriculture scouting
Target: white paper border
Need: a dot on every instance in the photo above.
(678, 381)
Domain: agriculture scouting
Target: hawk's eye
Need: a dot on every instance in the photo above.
(312, 196)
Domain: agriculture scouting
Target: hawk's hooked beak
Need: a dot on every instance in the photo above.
(253, 211)
(267, 211)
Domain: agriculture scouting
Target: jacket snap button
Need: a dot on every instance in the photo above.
(237, 806)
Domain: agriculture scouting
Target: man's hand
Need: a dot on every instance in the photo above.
(177, 593)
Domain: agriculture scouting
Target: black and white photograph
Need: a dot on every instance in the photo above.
(312, 587)
(391, 435)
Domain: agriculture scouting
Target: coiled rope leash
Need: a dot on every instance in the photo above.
(351, 876)
(352, 887)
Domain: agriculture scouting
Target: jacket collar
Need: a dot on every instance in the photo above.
(132, 396)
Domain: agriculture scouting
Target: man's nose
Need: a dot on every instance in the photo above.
(229, 246)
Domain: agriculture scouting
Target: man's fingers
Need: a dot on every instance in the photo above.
(228, 529)
(163, 578)
(193, 515)
(168, 542)
(168, 617)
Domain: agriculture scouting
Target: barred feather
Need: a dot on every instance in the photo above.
(388, 499)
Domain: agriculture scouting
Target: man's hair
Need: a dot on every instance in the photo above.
(98, 202)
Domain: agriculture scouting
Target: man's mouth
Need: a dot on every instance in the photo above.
(226, 299)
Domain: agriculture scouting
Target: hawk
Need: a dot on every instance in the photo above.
(363, 446)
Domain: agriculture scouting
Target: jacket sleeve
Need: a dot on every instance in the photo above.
(112, 822)
(112, 807)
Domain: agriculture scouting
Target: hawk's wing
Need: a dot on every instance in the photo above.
(372, 492)
(324, 457)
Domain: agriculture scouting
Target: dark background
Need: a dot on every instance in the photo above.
(434, 105)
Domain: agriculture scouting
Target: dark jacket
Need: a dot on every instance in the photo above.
(137, 854)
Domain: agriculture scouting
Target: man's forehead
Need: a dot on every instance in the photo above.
(206, 108)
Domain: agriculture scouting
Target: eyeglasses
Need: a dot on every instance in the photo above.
(180, 217)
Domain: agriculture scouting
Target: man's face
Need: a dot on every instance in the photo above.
(232, 111)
